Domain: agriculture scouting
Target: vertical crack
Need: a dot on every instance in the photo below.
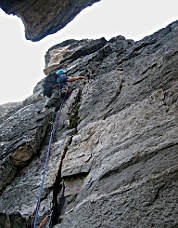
(73, 112)
(58, 203)
(58, 191)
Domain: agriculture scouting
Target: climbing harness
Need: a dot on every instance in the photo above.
(45, 166)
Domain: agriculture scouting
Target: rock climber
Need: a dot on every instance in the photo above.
(60, 89)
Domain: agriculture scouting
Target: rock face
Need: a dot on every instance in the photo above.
(43, 17)
(8, 108)
(116, 163)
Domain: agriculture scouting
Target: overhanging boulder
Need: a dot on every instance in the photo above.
(43, 17)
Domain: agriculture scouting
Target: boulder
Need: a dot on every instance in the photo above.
(43, 17)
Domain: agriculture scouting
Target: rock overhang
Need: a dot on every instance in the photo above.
(43, 17)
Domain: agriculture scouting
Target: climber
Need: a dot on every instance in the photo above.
(60, 89)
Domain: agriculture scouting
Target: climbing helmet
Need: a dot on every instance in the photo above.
(61, 71)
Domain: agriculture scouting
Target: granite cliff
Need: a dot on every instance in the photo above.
(113, 161)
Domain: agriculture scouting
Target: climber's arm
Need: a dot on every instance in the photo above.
(76, 78)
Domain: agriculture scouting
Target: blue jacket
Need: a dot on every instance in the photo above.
(62, 79)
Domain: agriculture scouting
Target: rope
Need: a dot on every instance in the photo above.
(46, 162)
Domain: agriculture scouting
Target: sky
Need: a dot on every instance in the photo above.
(22, 61)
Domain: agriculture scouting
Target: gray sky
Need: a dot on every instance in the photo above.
(22, 61)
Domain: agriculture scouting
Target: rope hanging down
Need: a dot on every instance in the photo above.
(46, 162)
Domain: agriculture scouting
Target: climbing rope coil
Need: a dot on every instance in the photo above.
(44, 172)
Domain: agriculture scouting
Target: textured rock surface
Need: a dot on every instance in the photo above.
(8, 108)
(43, 17)
(116, 163)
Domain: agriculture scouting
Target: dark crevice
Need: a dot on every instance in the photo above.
(76, 175)
(58, 192)
(59, 200)
(73, 112)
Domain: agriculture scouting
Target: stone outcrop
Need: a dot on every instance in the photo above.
(44, 17)
(8, 108)
(113, 160)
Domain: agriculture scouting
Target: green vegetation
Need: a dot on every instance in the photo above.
(73, 120)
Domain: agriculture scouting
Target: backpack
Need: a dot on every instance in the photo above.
(49, 83)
